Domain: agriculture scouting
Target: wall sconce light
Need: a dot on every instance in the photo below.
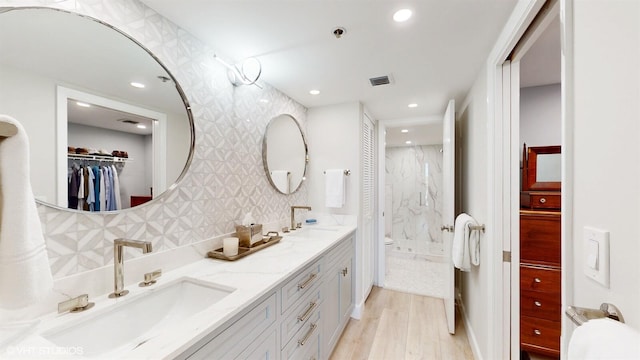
(246, 73)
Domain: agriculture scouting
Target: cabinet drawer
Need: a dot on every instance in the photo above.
(300, 285)
(540, 237)
(305, 344)
(545, 201)
(545, 280)
(540, 305)
(307, 310)
(541, 336)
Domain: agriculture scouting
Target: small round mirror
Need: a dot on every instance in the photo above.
(284, 154)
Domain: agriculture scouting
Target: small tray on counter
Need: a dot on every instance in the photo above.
(244, 251)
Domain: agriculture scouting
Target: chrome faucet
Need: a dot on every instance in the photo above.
(118, 263)
(293, 219)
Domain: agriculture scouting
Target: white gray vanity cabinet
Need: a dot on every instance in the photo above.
(338, 303)
(303, 317)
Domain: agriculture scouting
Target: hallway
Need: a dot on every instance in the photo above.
(398, 325)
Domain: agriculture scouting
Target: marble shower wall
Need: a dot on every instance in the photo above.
(226, 178)
(414, 177)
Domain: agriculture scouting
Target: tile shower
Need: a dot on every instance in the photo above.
(413, 216)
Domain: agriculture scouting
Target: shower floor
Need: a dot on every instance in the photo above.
(415, 273)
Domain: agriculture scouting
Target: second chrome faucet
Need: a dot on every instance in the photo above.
(118, 263)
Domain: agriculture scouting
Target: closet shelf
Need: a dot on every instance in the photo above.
(114, 159)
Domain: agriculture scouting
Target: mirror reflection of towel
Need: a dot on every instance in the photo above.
(281, 179)
(334, 188)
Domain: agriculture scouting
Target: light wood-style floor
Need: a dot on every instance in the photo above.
(396, 326)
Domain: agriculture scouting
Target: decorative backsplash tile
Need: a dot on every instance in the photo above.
(226, 178)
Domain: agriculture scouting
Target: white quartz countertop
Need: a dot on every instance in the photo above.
(252, 277)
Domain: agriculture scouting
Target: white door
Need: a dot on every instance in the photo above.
(368, 192)
(448, 208)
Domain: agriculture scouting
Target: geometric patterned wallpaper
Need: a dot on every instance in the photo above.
(226, 178)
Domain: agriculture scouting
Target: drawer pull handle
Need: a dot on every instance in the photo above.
(307, 314)
(537, 303)
(543, 200)
(537, 332)
(302, 341)
(537, 280)
(344, 271)
(307, 282)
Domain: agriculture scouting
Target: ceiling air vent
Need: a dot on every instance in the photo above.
(380, 80)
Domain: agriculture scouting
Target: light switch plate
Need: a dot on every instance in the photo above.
(596, 255)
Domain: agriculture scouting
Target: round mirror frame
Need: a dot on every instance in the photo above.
(178, 89)
(265, 149)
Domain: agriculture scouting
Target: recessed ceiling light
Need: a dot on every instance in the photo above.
(80, 103)
(264, 101)
(314, 92)
(413, 105)
(404, 131)
(408, 142)
(402, 15)
(141, 126)
(137, 85)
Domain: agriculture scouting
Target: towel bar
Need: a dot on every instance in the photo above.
(581, 315)
(7, 129)
(477, 227)
(346, 172)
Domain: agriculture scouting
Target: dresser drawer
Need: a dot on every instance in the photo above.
(540, 279)
(540, 237)
(545, 201)
(540, 305)
(541, 336)
(296, 288)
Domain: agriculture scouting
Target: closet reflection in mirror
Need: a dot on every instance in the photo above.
(284, 154)
(80, 59)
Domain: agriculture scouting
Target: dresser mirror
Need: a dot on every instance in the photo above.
(542, 168)
(284, 154)
(82, 90)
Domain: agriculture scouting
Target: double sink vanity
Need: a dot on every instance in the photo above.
(291, 300)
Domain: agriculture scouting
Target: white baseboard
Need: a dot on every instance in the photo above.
(473, 342)
(358, 309)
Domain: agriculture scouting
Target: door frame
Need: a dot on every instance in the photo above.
(502, 216)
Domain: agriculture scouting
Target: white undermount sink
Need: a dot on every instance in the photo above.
(131, 322)
(312, 231)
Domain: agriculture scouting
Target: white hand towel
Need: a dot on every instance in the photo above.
(604, 339)
(25, 275)
(334, 188)
(466, 243)
(280, 179)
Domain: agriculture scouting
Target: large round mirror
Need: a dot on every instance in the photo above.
(96, 105)
(284, 154)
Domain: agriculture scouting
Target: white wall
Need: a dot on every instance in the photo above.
(334, 143)
(472, 125)
(540, 115)
(606, 150)
(36, 113)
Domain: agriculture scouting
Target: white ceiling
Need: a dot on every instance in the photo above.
(541, 65)
(433, 57)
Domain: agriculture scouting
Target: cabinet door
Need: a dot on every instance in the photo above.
(332, 314)
(346, 289)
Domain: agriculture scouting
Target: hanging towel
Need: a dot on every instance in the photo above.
(334, 188)
(25, 275)
(280, 179)
(466, 243)
(604, 339)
